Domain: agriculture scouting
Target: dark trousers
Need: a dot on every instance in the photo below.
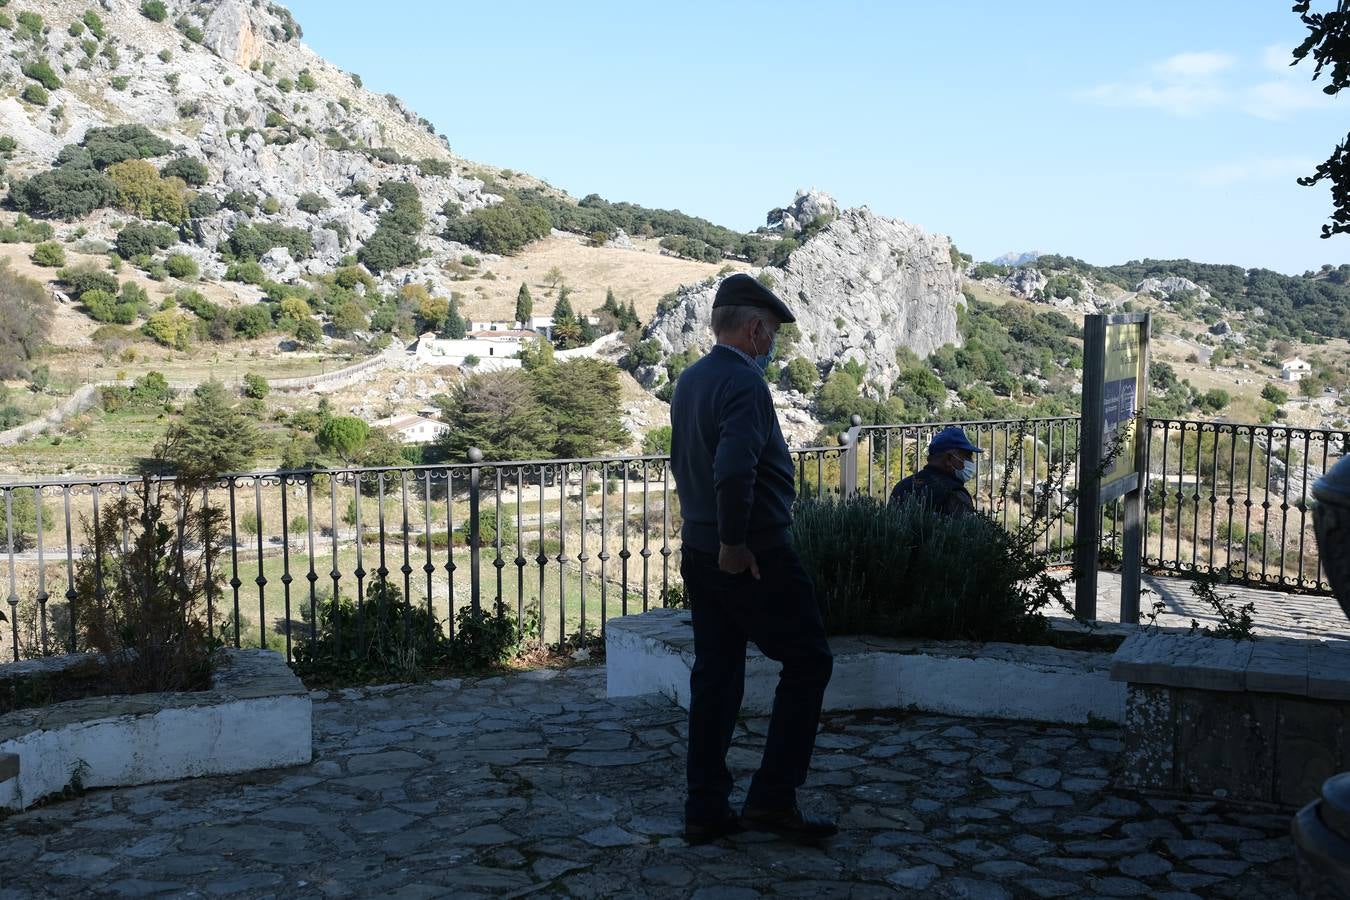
(780, 615)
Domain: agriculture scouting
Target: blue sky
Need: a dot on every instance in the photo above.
(1108, 131)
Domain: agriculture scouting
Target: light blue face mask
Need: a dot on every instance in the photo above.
(763, 359)
(967, 470)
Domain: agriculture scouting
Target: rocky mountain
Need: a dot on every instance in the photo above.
(231, 85)
(1018, 259)
(862, 288)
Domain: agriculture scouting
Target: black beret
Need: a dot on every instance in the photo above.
(742, 290)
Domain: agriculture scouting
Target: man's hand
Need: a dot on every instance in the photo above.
(736, 559)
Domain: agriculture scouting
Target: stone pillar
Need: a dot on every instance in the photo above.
(1322, 828)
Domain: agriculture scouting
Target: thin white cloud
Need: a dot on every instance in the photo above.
(1197, 82)
(1188, 66)
(1248, 170)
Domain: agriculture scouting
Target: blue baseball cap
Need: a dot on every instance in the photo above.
(952, 438)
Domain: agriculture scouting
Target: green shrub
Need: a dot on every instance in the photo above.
(432, 167)
(35, 94)
(154, 10)
(180, 265)
(271, 206)
(49, 254)
(908, 572)
(245, 202)
(80, 279)
(311, 203)
(192, 170)
(305, 80)
(107, 307)
(120, 82)
(26, 230)
(388, 249)
(136, 239)
(30, 24)
(202, 205)
(802, 375)
(76, 29)
(253, 241)
(256, 386)
(94, 24)
(119, 143)
(41, 71)
(247, 271)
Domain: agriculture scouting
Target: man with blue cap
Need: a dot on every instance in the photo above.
(745, 583)
(941, 484)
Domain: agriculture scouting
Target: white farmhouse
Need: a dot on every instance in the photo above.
(1295, 369)
(412, 429)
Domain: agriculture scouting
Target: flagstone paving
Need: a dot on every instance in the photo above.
(535, 784)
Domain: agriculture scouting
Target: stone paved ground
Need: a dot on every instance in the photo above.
(536, 784)
(1277, 613)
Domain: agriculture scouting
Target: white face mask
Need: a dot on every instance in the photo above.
(967, 470)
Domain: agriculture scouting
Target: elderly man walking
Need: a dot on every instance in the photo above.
(744, 581)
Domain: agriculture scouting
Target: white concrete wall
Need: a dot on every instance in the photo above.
(1028, 683)
(221, 734)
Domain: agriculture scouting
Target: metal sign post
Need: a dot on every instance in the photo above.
(1111, 452)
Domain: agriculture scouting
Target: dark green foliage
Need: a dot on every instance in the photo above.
(802, 375)
(253, 241)
(213, 436)
(26, 309)
(305, 80)
(120, 82)
(497, 413)
(30, 24)
(122, 142)
(454, 327)
(189, 168)
(394, 243)
(108, 307)
(255, 386)
(202, 205)
(433, 167)
(248, 271)
(524, 303)
(79, 279)
(49, 254)
(41, 71)
(387, 637)
(252, 321)
(906, 572)
(35, 94)
(488, 528)
(154, 10)
(502, 228)
(1328, 42)
(1295, 305)
(388, 249)
(94, 24)
(311, 203)
(136, 239)
(245, 202)
(26, 230)
(65, 193)
(580, 403)
(180, 265)
(144, 588)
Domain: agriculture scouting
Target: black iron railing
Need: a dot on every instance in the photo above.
(579, 541)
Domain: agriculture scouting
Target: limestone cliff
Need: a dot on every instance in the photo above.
(862, 288)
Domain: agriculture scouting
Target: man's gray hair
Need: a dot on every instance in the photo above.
(726, 319)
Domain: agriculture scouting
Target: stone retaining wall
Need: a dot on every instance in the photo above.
(654, 652)
(256, 715)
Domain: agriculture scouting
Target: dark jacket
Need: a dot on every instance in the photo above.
(942, 492)
(731, 465)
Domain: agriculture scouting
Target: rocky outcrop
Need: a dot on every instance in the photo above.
(265, 131)
(231, 34)
(1170, 286)
(861, 289)
(806, 208)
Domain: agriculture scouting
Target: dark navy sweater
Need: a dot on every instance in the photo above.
(731, 465)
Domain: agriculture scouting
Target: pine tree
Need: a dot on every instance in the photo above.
(454, 322)
(567, 332)
(631, 317)
(524, 305)
(213, 436)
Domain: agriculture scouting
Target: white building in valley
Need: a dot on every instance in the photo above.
(412, 429)
(1295, 369)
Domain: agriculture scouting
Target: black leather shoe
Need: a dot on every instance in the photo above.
(790, 823)
(711, 830)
